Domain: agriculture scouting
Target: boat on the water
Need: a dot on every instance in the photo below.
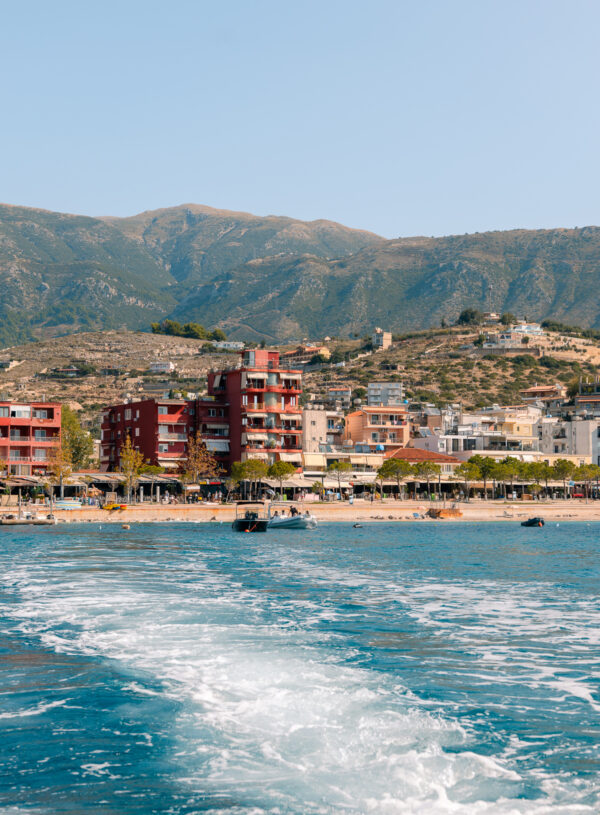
(291, 520)
(533, 522)
(250, 517)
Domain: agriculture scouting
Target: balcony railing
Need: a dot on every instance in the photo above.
(172, 437)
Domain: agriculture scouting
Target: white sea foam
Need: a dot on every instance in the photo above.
(271, 706)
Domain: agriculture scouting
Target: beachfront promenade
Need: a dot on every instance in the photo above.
(363, 511)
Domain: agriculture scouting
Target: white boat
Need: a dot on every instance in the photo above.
(290, 520)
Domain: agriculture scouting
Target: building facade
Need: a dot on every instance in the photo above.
(385, 393)
(28, 434)
(263, 404)
(382, 427)
(381, 340)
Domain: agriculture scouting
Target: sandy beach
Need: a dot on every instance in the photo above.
(378, 511)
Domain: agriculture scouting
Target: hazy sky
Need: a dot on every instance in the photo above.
(423, 117)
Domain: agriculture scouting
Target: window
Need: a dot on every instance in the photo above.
(244, 399)
(40, 434)
(39, 455)
(162, 409)
(283, 402)
(137, 415)
(20, 412)
(374, 436)
(137, 431)
(163, 448)
(313, 423)
(40, 414)
(213, 412)
(128, 415)
(4, 412)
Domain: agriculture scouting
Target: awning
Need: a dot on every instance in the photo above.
(216, 424)
(256, 375)
(217, 445)
(257, 413)
(261, 436)
(291, 456)
(314, 459)
(256, 454)
(291, 376)
(217, 381)
(359, 459)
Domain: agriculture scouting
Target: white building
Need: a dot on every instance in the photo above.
(579, 437)
(385, 393)
(160, 367)
(229, 345)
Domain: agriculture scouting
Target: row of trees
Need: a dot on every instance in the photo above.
(498, 473)
(194, 331)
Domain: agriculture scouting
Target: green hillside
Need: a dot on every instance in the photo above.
(277, 278)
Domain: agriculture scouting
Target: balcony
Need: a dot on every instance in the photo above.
(172, 437)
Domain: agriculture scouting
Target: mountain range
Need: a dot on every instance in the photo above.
(277, 278)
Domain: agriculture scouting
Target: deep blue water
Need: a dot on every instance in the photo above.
(403, 668)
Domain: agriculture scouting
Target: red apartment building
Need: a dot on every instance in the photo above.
(159, 429)
(253, 412)
(263, 403)
(28, 432)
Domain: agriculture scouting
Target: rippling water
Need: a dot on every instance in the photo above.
(391, 669)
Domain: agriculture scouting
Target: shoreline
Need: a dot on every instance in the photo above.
(392, 511)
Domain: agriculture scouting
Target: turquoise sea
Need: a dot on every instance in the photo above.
(397, 668)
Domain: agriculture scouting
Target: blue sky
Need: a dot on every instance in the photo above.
(400, 117)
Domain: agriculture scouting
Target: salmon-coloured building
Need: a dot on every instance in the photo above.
(28, 433)
(387, 427)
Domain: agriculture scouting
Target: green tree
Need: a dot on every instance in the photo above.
(254, 470)
(467, 472)
(281, 471)
(586, 474)
(339, 469)
(508, 319)
(469, 316)
(487, 468)
(563, 470)
(540, 471)
(131, 462)
(426, 470)
(512, 469)
(396, 468)
(76, 439)
(317, 488)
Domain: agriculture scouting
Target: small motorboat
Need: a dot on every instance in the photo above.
(533, 522)
(291, 520)
(250, 517)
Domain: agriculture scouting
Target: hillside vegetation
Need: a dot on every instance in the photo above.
(277, 278)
